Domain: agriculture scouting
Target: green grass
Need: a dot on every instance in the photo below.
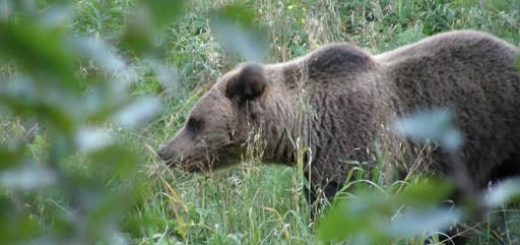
(254, 203)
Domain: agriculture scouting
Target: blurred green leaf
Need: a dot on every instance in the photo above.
(6, 9)
(164, 12)
(44, 58)
(91, 139)
(507, 191)
(27, 177)
(435, 126)
(422, 222)
(99, 51)
(370, 217)
(235, 28)
(10, 158)
(56, 17)
(141, 27)
(348, 218)
(50, 63)
(426, 193)
(138, 32)
(138, 112)
(237, 14)
(114, 161)
(518, 62)
(15, 226)
(51, 113)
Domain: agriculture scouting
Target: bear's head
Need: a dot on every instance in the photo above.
(217, 128)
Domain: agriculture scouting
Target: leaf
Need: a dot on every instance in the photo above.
(240, 14)
(57, 16)
(422, 222)
(39, 51)
(503, 193)
(15, 227)
(141, 27)
(430, 126)
(371, 217)
(234, 27)
(164, 11)
(138, 32)
(349, 218)
(99, 52)
(6, 9)
(425, 193)
(167, 77)
(10, 158)
(22, 97)
(138, 112)
(27, 177)
(91, 139)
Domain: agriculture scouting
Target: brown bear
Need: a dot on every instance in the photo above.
(337, 101)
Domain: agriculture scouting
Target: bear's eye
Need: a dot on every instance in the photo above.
(194, 125)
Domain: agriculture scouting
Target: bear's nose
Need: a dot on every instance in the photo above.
(163, 153)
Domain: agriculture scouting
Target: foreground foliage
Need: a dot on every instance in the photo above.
(80, 79)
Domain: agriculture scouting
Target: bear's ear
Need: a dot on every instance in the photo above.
(248, 84)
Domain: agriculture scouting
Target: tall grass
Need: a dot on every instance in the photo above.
(253, 203)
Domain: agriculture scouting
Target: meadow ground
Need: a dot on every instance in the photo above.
(253, 203)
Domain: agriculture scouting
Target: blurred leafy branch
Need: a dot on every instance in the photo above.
(65, 95)
(416, 208)
(47, 92)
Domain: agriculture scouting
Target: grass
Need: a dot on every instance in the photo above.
(253, 203)
(256, 204)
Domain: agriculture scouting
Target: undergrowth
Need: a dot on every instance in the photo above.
(254, 203)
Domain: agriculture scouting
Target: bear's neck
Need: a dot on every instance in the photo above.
(283, 121)
(282, 130)
(285, 114)
(299, 112)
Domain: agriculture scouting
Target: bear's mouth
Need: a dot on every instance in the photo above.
(201, 162)
(191, 165)
(194, 167)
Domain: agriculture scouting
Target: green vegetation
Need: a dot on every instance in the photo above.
(63, 179)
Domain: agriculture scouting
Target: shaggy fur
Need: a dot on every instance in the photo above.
(338, 100)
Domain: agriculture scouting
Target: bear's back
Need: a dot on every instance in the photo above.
(472, 42)
(473, 74)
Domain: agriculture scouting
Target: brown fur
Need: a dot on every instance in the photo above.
(339, 99)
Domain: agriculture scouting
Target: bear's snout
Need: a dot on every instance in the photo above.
(164, 153)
